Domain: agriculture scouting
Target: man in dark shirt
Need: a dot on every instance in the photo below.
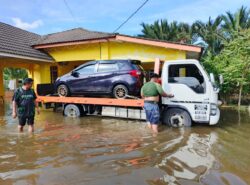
(151, 92)
(24, 103)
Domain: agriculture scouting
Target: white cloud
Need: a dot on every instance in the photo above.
(25, 25)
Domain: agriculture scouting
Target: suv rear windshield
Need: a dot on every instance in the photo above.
(137, 65)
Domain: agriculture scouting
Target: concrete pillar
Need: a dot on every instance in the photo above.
(36, 75)
(104, 51)
(34, 72)
(45, 73)
(157, 66)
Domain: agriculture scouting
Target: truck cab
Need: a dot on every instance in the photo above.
(195, 95)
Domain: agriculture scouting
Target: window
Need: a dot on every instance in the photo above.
(187, 74)
(123, 65)
(109, 67)
(90, 69)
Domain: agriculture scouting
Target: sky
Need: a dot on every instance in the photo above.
(50, 16)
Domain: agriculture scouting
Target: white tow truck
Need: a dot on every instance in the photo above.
(195, 94)
(195, 98)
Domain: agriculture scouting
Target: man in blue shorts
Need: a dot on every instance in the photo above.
(151, 92)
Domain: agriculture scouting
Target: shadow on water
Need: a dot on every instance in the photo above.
(94, 150)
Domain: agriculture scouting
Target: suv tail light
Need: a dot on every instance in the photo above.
(135, 73)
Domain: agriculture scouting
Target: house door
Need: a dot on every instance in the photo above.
(53, 73)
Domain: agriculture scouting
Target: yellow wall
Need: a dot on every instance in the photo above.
(114, 50)
(143, 53)
(78, 52)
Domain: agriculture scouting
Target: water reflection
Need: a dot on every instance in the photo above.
(94, 150)
(191, 160)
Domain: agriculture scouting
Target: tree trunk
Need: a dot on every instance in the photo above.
(240, 93)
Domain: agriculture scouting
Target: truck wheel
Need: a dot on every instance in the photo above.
(120, 91)
(63, 90)
(72, 110)
(176, 117)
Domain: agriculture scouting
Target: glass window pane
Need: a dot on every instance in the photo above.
(107, 68)
(87, 69)
(187, 74)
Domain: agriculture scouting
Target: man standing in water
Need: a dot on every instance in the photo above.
(24, 103)
(151, 92)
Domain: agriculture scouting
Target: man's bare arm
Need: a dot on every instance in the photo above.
(164, 94)
(142, 95)
(14, 110)
(37, 107)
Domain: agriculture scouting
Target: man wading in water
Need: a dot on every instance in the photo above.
(151, 92)
(24, 103)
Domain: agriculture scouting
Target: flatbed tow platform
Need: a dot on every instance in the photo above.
(80, 106)
(92, 101)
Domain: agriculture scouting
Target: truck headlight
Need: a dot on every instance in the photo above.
(213, 109)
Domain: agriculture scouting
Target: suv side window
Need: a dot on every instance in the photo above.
(90, 69)
(187, 74)
(124, 65)
(107, 67)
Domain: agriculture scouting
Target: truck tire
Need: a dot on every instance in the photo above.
(72, 110)
(63, 90)
(176, 117)
(120, 91)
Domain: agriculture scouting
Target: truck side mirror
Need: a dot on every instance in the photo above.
(212, 77)
(221, 79)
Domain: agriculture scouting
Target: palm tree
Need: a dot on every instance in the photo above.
(210, 33)
(185, 33)
(163, 30)
(237, 21)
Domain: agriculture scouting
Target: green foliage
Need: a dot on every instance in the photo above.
(14, 73)
(163, 30)
(226, 43)
(237, 21)
(233, 63)
(210, 33)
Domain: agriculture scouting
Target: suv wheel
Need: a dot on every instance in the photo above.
(176, 117)
(120, 91)
(63, 90)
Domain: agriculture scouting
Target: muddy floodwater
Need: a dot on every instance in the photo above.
(105, 151)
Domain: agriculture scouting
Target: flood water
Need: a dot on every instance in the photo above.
(105, 151)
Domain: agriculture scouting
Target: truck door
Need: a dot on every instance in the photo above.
(188, 84)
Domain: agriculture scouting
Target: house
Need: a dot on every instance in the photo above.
(49, 56)
(16, 51)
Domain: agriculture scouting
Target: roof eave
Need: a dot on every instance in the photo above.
(70, 43)
(125, 38)
(24, 57)
(168, 45)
